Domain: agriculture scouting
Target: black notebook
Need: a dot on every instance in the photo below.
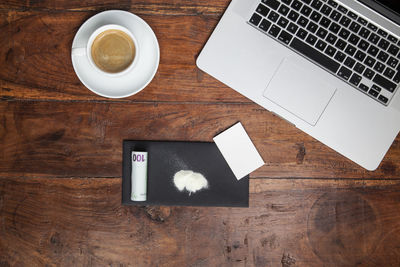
(167, 158)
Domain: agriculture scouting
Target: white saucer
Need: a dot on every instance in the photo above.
(135, 80)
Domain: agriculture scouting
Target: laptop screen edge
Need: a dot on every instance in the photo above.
(383, 10)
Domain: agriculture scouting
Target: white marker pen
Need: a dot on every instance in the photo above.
(139, 176)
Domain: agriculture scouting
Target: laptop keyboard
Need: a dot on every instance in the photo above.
(349, 46)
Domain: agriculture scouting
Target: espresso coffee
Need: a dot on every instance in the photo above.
(113, 51)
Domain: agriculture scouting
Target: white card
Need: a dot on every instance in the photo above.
(238, 150)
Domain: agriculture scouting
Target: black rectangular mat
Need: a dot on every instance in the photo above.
(167, 158)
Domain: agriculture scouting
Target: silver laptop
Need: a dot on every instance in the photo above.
(330, 67)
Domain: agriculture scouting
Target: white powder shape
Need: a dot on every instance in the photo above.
(189, 180)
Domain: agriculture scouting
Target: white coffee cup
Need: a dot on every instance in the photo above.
(87, 50)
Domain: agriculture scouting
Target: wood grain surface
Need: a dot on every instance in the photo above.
(60, 159)
(80, 222)
(74, 139)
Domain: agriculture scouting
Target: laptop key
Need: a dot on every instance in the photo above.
(296, 5)
(311, 39)
(312, 27)
(342, 9)
(321, 45)
(340, 44)
(332, 3)
(363, 87)
(255, 19)
(376, 88)
(293, 15)
(287, 1)
(373, 38)
(292, 27)
(345, 21)
(382, 56)
(330, 51)
(354, 39)
(335, 15)
(354, 27)
(352, 15)
(264, 25)
(368, 73)
(302, 33)
(331, 38)
(321, 32)
(383, 99)
(344, 33)
(340, 56)
(334, 27)
(274, 4)
(379, 67)
(372, 27)
(306, 11)
(392, 62)
(316, 4)
(363, 45)
(385, 83)
(283, 9)
(302, 21)
(359, 68)
(383, 44)
(364, 32)
(325, 22)
(285, 37)
(283, 22)
(373, 50)
(274, 30)
(388, 73)
(326, 10)
(349, 62)
(273, 16)
(382, 33)
(344, 72)
(369, 61)
(350, 50)
(315, 16)
(392, 38)
(360, 55)
(396, 77)
(314, 55)
(373, 92)
(393, 50)
(263, 10)
(362, 21)
(355, 79)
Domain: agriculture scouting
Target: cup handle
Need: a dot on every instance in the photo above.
(79, 51)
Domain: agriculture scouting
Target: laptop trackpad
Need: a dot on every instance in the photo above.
(302, 93)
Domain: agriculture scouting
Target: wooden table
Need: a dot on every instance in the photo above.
(60, 159)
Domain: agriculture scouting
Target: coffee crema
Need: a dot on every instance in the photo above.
(113, 51)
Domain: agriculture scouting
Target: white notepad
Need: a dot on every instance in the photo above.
(238, 150)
